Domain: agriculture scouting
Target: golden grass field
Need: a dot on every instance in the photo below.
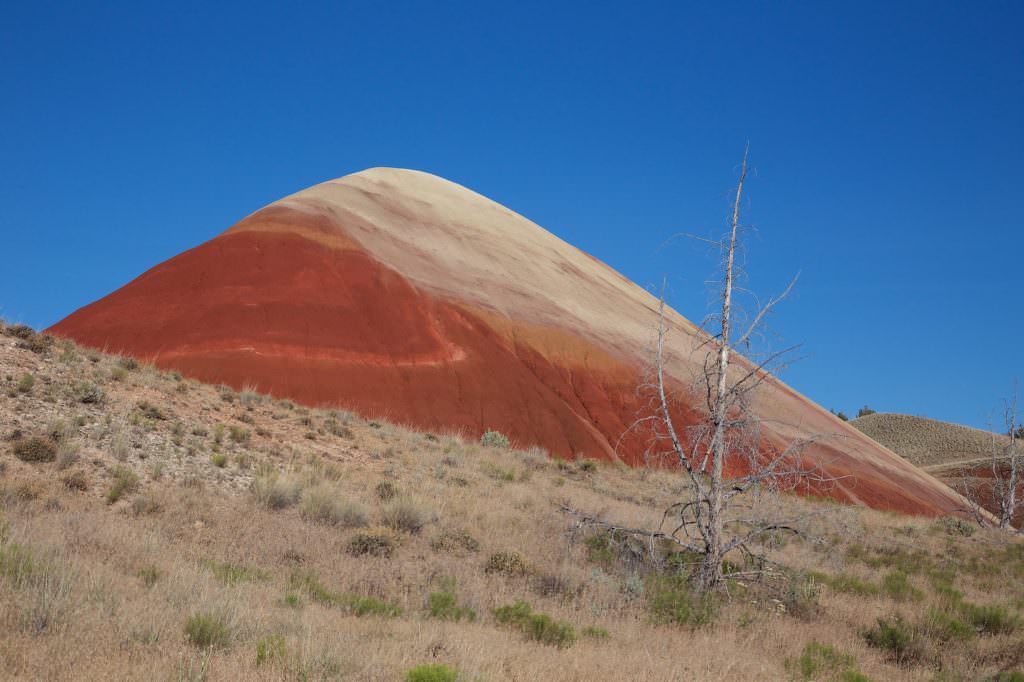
(154, 528)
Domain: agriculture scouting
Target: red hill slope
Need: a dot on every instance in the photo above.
(398, 293)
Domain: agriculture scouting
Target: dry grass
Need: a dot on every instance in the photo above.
(198, 571)
(927, 442)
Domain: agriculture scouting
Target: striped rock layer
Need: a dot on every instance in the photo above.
(396, 293)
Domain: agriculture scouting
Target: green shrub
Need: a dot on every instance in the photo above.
(513, 614)
(238, 434)
(897, 586)
(26, 383)
(321, 504)
(405, 516)
(671, 601)
(539, 627)
(594, 632)
(233, 574)
(898, 638)
(444, 605)
(587, 466)
(149, 575)
(35, 449)
(1007, 675)
(371, 544)
(351, 603)
(270, 649)
(219, 460)
(498, 473)
(601, 549)
(944, 627)
(851, 584)
(818, 659)
(544, 629)
(455, 542)
(506, 563)
(208, 630)
(990, 619)
(125, 482)
(150, 411)
(87, 393)
(432, 673)
(494, 439)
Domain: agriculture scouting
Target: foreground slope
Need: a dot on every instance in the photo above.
(397, 293)
(180, 531)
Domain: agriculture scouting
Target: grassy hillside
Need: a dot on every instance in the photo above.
(927, 442)
(156, 528)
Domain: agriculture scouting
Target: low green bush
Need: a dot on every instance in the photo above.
(270, 649)
(539, 627)
(990, 619)
(670, 600)
(26, 383)
(208, 630)
(432, 673)
(897, 585)
(351, 603)
(494, 439)
(125, 481)
(445, 606)
(818, 660)
(898, 638)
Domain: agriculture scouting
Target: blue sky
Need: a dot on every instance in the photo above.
(887, 140)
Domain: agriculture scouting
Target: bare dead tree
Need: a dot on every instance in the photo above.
(1006, 463)
(717, 516)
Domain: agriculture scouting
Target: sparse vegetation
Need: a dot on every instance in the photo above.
(376, 544)
(125, 482)
(35, 449)
(445, 605)
(506, 563)
(276, 491)
(323, 504)
(494, 439)
(405, 515)
(208, 630)
(432, 673)
(252, 581)
(536, 626)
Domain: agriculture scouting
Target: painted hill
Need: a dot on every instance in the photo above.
(959, 456)
(398, 293)
(928, 442)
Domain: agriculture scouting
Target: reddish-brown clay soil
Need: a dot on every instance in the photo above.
(398, 294)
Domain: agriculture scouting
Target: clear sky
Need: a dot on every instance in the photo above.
(887, 138)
